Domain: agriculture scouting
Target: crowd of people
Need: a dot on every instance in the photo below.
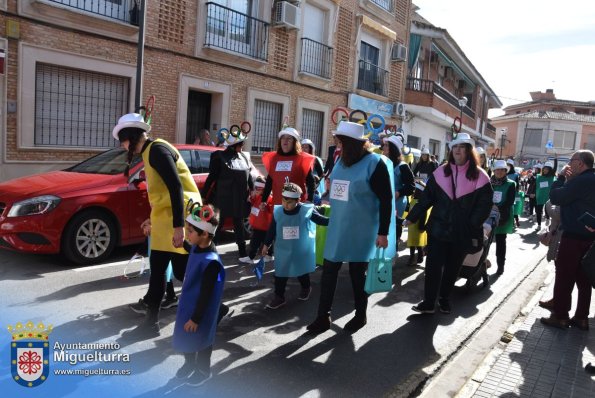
(369, 194)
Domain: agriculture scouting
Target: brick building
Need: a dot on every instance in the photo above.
(443, 85)
(544, 128)
(69, 70)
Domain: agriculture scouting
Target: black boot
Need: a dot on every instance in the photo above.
(188, 367)
(356, 323)
(148, 329)
(500, 270)
(242, 249)
(420, 255)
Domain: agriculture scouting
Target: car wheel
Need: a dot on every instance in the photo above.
(90, 237)
(247, 229)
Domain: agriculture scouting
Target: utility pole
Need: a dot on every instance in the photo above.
(140, 50)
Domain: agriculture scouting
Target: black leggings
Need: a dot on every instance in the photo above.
(328, 285)
(159, 261)
(281, 283)
(539, 213)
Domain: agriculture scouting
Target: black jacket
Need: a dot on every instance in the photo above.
(451, 220)
(575, 197)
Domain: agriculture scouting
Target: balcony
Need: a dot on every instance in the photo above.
(316, 58)
(490, 131)
(372, 78)
(385, 4)
(119, 10)
(431, 87)
(236, 32)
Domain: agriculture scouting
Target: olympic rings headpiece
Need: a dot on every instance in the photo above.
(235, 134)
(200, 216)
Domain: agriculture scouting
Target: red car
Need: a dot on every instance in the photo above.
(87, 210)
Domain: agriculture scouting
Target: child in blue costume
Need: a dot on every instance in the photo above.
(198, 309)
(294, 228)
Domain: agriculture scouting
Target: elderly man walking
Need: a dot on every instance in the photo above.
(574, 192)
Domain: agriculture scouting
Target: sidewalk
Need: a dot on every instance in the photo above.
(539, 361)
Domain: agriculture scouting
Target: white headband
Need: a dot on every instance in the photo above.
(259, 184)
(203, 225)
(290, 194)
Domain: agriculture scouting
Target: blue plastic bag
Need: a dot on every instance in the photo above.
(259, 269)
(379, 277)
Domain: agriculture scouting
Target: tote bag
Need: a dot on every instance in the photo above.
(379, 277)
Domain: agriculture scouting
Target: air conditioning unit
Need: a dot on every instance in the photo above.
(398, 53)
(399, 109)
(287, 15)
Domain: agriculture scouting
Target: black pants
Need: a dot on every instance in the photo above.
(201, 359)
(256, 241)
(238, 230)
(500, 249)
(328, 285)
(159, 261)
(281, 283)
(532, 204)
(443, 263)
(539, 213)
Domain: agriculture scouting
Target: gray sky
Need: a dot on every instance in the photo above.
(520, 46)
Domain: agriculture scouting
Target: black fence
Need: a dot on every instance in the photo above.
(372, 78)
(316, 58)
(236, 32)
(120, 10)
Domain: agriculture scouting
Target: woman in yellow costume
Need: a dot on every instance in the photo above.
(170, 187)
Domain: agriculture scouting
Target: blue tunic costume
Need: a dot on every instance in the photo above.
(205, 335)
(295, 242)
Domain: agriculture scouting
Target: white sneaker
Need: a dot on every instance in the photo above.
(245, 259)
(268, 258)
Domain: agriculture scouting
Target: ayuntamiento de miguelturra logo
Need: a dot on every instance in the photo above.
(30, 353)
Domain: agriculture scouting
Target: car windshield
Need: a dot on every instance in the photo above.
(110, 162)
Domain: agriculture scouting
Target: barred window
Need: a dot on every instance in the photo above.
(267, 123)
(534, 138)
(312, 125)
(75, 108)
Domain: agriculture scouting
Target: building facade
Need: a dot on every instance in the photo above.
(69, 70)
(543, 128)
(439, 76)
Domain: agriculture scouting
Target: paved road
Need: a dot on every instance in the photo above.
(258, 352)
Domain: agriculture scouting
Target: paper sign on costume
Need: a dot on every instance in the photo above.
(543, 184)
(340, 190)
(255, 211)
(284, 165)
(423, 176)
(291, 232)
(497, 197)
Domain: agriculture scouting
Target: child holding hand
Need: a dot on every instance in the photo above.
(260, 220)
(294, 231)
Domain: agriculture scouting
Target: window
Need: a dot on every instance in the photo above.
(564, 139)
(434, 147)
(316, 55)
(267, 123)
(204, 160)
(413, 141)
(312, 127)
(590, 142)
(534, 138)
(76, 108)
(371, 77)
(385, 4)
(231, 26)
(189, 158)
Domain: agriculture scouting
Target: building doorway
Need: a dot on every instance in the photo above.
(199, 114)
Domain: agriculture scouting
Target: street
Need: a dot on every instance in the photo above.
(258, 352)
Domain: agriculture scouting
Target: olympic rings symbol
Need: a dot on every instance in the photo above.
(199, 212)
(235, 131)
(339, 189)
(457, 124)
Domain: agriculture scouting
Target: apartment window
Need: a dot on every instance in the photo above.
(114, 9)
(231, 25)
(434, 147)
(385, 4)
(75, 108)
(564, 139)
(316, 56)
(313, 126)
(371, 77)
(267, 123)
(534, 138)
(413, 141)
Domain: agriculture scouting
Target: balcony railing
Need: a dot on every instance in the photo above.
(316, 58)
(236, 32)
(386, 4)
(372, 78)
(120, 10)
(429, 86)
(490, 127)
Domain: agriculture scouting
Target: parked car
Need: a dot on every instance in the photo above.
(85, 211)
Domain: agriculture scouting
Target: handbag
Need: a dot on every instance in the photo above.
(588, 264)
(545, 238)
(379, 277)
